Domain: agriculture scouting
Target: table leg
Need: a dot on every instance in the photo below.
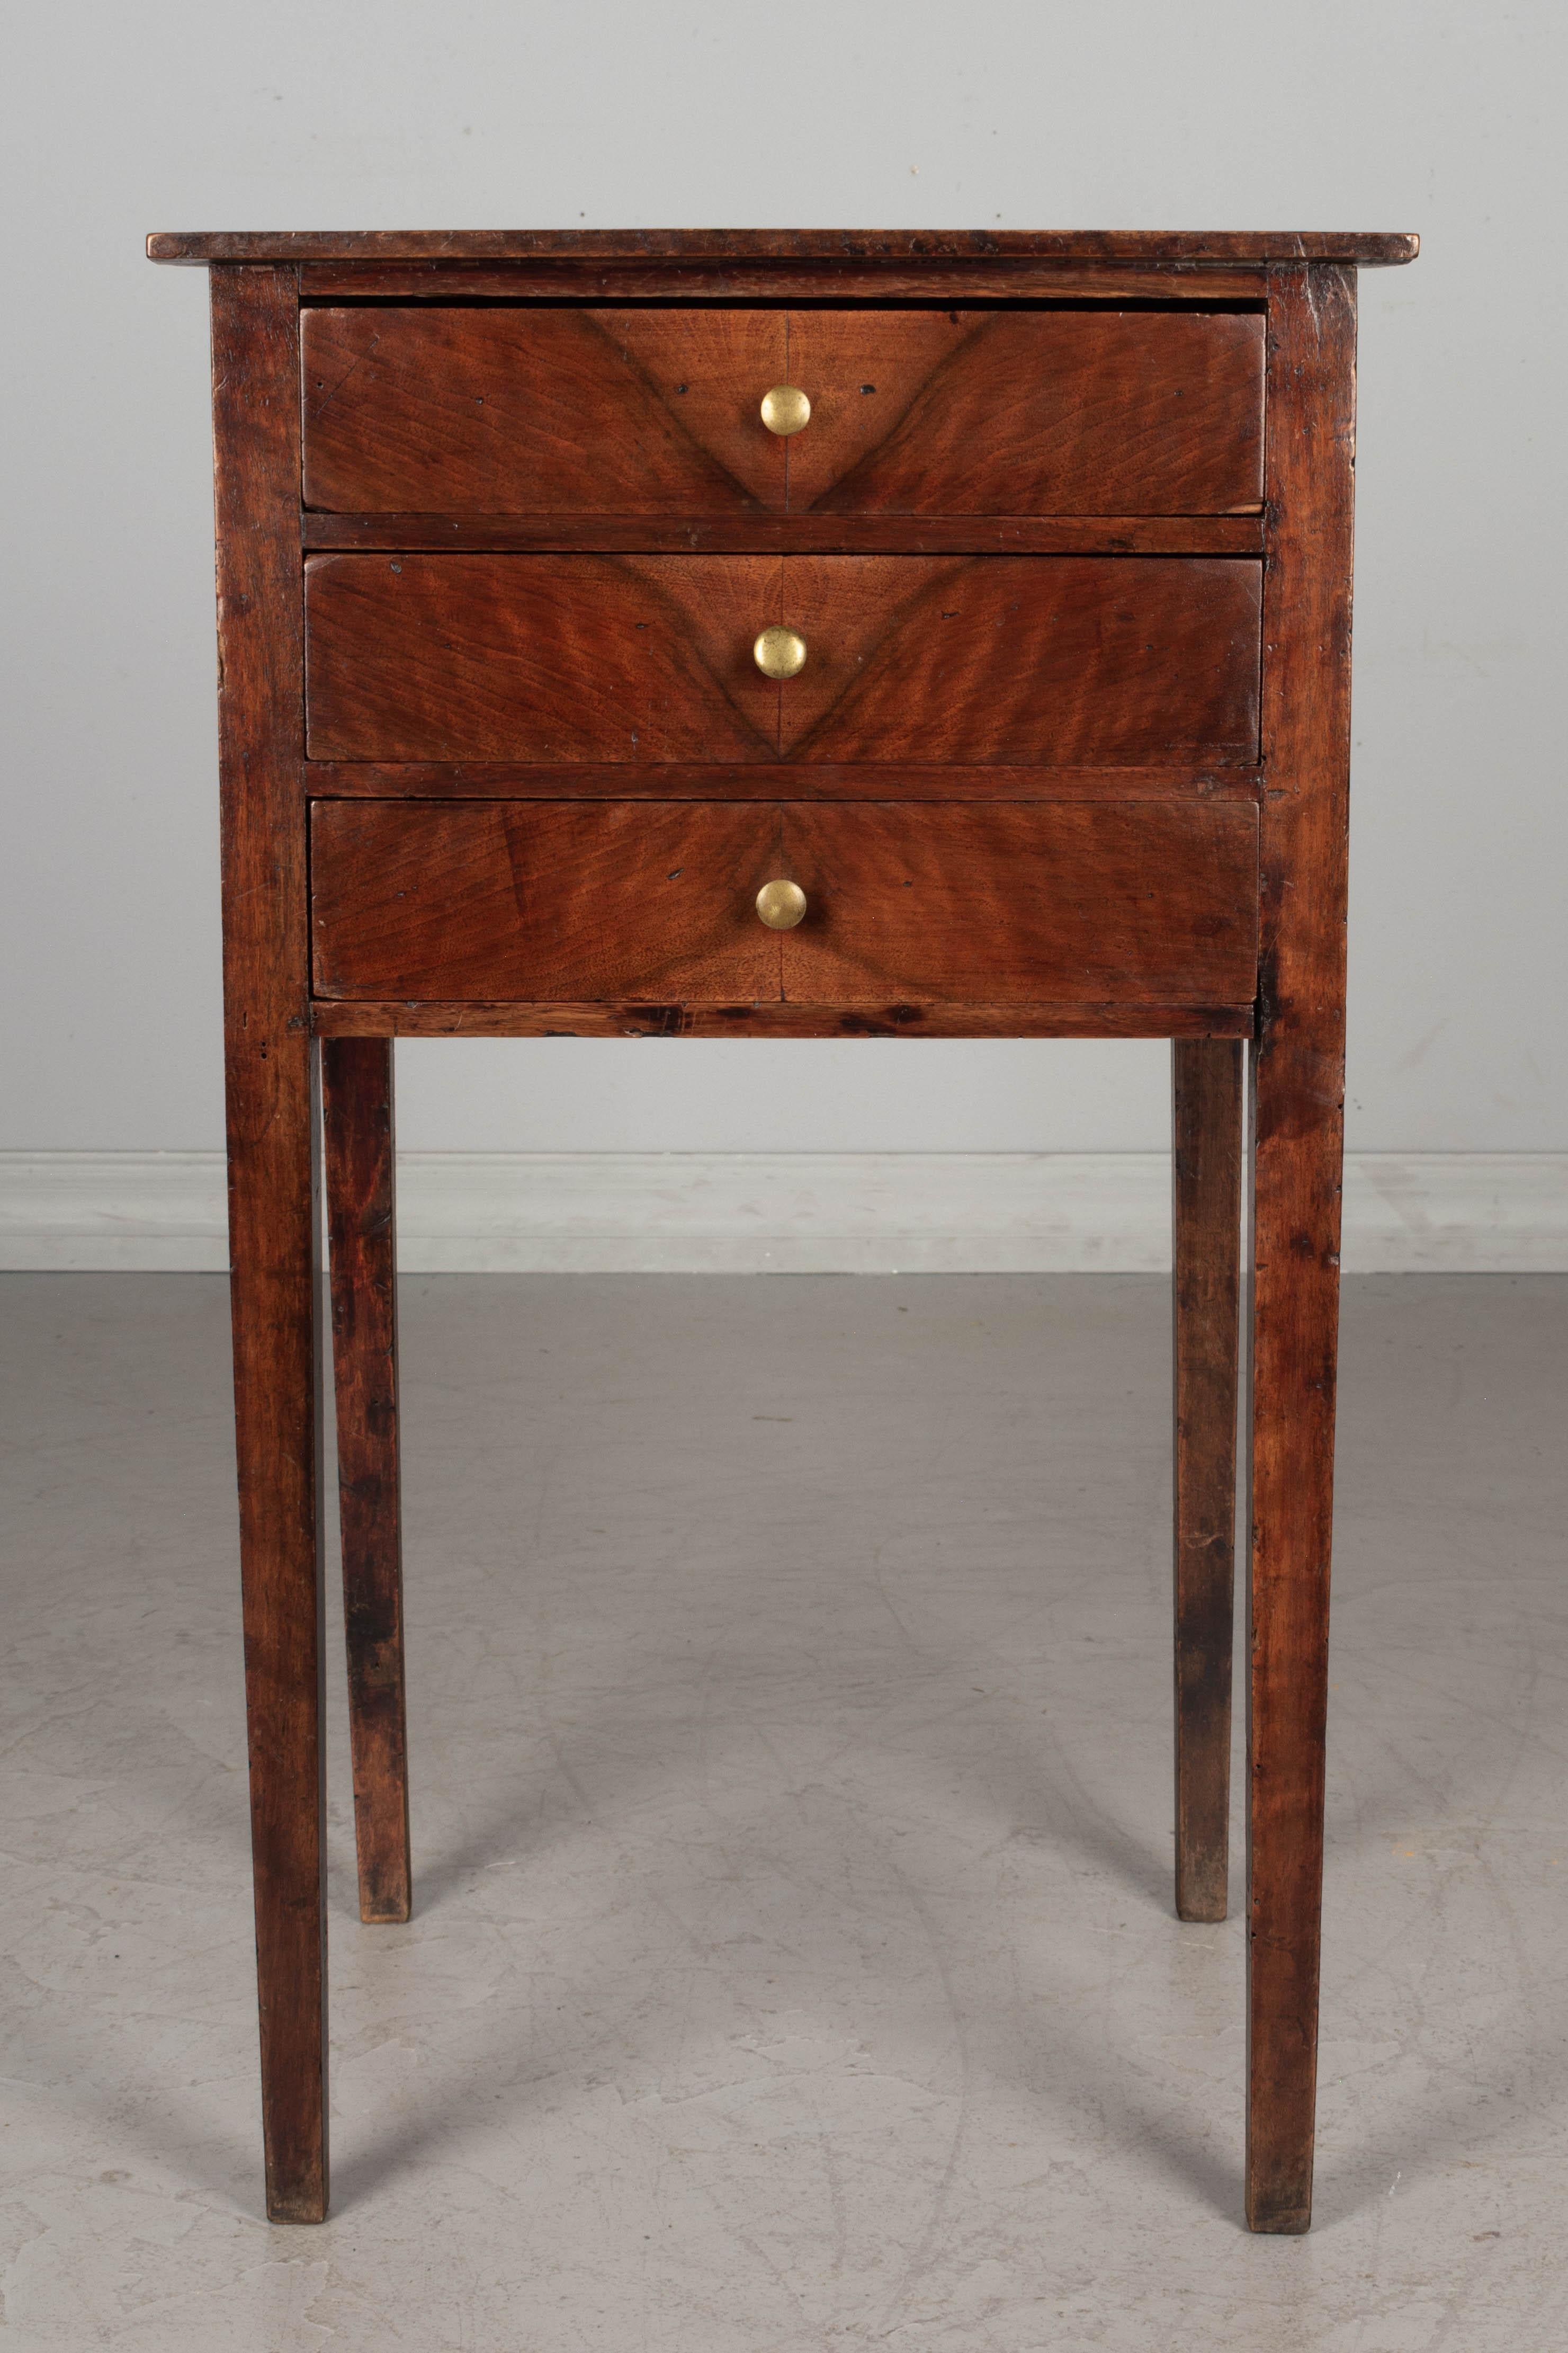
(273, 1223)
(1295, 1318)
(270, 1073)
(1206, 1262)
(1298, 1118)
(357, 1102)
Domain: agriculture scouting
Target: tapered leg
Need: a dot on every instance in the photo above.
(1295, 1317)
(1298, 1106)
(1206, 1164)
(356, 1077)
(269, 1063)
(277, 1363)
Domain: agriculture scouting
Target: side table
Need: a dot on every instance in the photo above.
(775, 635)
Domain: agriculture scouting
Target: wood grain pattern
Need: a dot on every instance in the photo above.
(1025, 412)
(541, 658)
(927, 412)
(352, 1018)
(493, 899)
(1206, 1138)
(512, 411)
(494, 780)
(580, 280)
(1012, 660)
(828, 245)
(1297, 1098)
(1123, 661)
(360, 1157)
(268, 1058)
(1094, 904)
(755, 532)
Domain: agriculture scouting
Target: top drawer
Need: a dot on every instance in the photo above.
(533, 410)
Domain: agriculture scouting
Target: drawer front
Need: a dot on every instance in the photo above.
(1019, 904)
(572, 903)
(543, 899)
(1027, 412)
(1071, 660)
(625, 411)
(540, 411)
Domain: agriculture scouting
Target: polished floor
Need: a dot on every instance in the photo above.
(793, 1965)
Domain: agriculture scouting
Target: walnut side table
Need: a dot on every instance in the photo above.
(785, 635)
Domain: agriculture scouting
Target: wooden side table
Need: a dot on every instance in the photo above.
(785, 635)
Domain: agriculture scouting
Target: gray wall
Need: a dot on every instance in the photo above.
(1441, 118)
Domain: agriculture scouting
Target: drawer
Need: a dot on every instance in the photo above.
(577, 903)
(647, 411)
(1069, 660)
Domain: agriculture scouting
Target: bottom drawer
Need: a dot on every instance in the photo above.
(1021, 903)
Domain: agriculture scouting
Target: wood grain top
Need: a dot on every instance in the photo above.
(1154, 248)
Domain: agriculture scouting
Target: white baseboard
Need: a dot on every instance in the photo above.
(787, 1213)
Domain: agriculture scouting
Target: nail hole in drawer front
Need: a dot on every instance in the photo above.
(649, 658)
(658, 412)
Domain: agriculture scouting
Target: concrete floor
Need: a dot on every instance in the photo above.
(793, 1964)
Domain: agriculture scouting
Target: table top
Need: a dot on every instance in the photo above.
(1191, 249)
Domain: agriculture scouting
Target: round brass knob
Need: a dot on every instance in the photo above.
(781, 905)
(785, 409)
(779, 653)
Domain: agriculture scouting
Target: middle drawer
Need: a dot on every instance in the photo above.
(1060, 661)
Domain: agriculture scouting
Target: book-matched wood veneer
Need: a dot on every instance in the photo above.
(923, 412)
(1016, 659)
(540, 899)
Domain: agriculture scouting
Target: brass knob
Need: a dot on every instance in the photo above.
(781, 905)
(779, 653)
(785, 409)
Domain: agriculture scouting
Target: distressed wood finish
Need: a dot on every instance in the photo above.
(1027, 903)
(753, 533)
(272, 1209)
(493, 780)
(354, 1017)
(1298, 1108)
(918, 412)
(1013, 660)
(723, 248)
(542, 898)
(357, 1128)
(987, 905)
(1207, 1139)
